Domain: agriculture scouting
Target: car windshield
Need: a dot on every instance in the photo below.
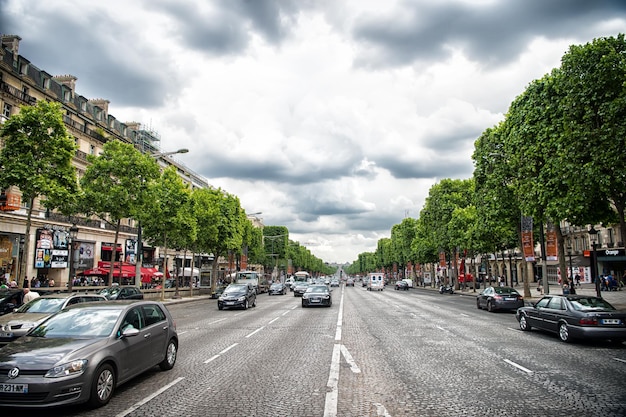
(79, 323)
(317, 288)
(235, 288)
(109, 291)
(590, 303)
(277, 285)
(42, 305)
(505, 290)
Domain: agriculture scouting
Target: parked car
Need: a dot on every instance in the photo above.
(349, 282)
(277, 289)
(83, 353)
(237, 296)
(17, 324)
(574, 317)
(499, 298)
(300, 288)
(317, 295)
(10, 299)
(122, 292)
(402, 285)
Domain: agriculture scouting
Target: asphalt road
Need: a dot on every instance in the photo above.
(389, 353)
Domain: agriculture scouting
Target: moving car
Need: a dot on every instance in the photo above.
(334, 283)
(499, 298)
(349, 282)
(300, 288)
(277, 288)
(83, 353)
(122, 292)
(574, 317)
(317, 295)
(402, 285)
(237, 296)
(17, 324)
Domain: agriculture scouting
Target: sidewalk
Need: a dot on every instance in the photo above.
(616, 298)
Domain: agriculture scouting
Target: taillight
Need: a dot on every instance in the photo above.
(588, 321)
(497, 297)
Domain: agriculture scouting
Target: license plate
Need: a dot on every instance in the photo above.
(228, 303)
(510, 298)
(14, 388)
(611, 321)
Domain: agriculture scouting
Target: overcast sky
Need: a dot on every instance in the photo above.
(331, 117)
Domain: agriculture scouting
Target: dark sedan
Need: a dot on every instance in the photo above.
(277, 289)
(237, 296)
(575, 317)
(317, 295)
(122, 292)
(499, 298)
(402, 285)
(84, 352)
(300, 288)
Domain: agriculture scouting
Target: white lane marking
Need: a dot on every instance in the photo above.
(332, 387)
(348, 357)
(620, 360)
(381, 410)
(217, 321)
(520, 367)
(148, 398)
(339, 317)
(464, 315)
(272, 321)
(179, 333)
(256, 331)
(221, 353)
(441, 328)
(285, 312)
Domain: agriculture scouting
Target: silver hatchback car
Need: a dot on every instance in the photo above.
(82, 353)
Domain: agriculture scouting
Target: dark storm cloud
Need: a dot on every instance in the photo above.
(492, 33)
(226, 28)
(59, 45)
(444, 165)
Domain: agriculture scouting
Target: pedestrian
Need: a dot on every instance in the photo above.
(577, 278)
(25, 282)
(29, 295)
(565, 288)
(539, 285)
(50, 283)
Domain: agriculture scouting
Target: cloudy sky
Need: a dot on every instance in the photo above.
(331, 117)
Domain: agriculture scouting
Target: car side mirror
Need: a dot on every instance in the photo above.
(130, 332)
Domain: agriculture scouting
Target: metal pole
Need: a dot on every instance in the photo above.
(596, 275)
(138, 256)
(510, 269)
(571, 269)
(544, 264)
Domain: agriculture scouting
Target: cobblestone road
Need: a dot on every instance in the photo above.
(389, 353)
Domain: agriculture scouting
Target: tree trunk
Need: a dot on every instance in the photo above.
(26, 248)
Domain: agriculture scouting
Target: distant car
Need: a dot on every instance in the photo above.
(122, 292)
(237, 296)
(349, 282)
(364, 282)
(317, 295)
(277, 289)
(10, 299)
(574, 317)
(83, 353)
(402, 285)
(499, 298)
(17, 324)
(300, 288)
(334, 283)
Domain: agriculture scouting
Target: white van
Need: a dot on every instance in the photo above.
(375, 281)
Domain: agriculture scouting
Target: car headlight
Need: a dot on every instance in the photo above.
(5, 328)
(28, 325)
(67, 369)
(242, 298)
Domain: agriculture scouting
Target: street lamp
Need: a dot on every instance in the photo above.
(73, 234)
(571, 269)
(139, 254)
(593, 237)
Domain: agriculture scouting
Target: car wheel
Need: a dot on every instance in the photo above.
(489, 306)
(102, 386)
(523, 323)
(220, 307)
(478, 304)
(564, 333)
(245, 305)
(170, 356)
(303, 305)
(254, 302)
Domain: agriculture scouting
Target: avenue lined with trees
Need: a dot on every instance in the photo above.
(558, 156)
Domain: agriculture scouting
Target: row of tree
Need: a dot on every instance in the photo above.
(558, 156)
(121, 182)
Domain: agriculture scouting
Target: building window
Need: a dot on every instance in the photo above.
(83, 105)
(46, 83)
(24, 69)
(6, 110)
(92, 150)
(67, 95)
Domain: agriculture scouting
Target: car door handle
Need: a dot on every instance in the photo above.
(147, 335)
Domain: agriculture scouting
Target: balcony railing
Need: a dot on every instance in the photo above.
(17, 93)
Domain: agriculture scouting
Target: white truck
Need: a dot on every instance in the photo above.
(253, 278)
(375, 281)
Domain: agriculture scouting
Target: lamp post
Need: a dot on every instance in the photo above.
(571, 269)
(593, 237)
(139, 254)
(511, 268)
(73, 234)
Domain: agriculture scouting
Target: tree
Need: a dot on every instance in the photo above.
(115, 186)
(37, 158)
(169, 213)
